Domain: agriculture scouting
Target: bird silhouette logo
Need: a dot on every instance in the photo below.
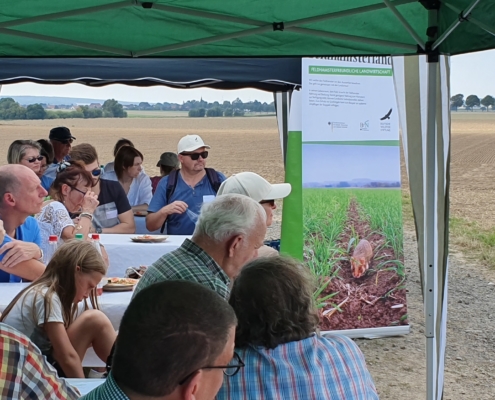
(387, 115)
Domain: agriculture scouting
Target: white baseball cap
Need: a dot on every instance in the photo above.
(190, 143)
(254, 186)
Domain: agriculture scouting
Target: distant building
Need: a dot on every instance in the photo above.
(95, 105)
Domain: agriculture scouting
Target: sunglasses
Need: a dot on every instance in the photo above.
(34, 159)
(68, 141)
(271, 202)
(96, 172)
(195, 156)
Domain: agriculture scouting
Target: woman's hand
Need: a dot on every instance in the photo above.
(90, 202)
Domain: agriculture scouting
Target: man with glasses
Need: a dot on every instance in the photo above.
(179, 196)
(175, 342)
(61, 140)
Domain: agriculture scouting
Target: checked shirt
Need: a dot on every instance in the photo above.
(25, 373)
(187, 263)
(314, 368)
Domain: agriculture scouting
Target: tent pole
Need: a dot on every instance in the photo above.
(454, 25)
(475, 21)
(406, 24)
(429, 237)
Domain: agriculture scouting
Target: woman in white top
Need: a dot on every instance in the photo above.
(128, 171)
(71, 191)
(46, 310)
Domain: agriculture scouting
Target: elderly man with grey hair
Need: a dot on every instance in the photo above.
(228, 234)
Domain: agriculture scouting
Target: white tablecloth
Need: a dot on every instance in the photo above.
(125, 253)
(112, 304)
(141, 226)
(85, 385)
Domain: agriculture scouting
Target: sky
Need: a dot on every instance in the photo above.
(345, 163)
(470, 74)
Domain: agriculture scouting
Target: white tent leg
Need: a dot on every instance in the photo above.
(429, 237)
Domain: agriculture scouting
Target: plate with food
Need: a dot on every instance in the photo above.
(149, 238)
(120, 284)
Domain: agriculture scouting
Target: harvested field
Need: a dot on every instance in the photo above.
(397, 364)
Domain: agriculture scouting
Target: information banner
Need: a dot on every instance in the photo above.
(353, 236)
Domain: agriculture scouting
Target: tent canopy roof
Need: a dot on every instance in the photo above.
(270, 74)
(241, 28)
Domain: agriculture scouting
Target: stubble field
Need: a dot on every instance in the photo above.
(252, 144)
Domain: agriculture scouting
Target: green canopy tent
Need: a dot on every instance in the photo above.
(289, 28)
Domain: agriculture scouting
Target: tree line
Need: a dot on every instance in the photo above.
(472, 101)
(10, 109)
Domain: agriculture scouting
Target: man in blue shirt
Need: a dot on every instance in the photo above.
(192, 188)
(21, 196)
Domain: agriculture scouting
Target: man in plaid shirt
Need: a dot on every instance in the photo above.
(25, 374)
(229, 232)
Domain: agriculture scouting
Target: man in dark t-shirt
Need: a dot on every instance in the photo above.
(113, 201)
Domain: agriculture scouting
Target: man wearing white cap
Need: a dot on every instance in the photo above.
(259, 189)
(180, 195)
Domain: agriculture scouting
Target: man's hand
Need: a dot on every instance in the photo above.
(177, 207)
(18, 251)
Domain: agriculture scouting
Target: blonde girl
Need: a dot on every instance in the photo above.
(46, 310)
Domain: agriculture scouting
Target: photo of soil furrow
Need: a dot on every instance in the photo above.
(375, 299)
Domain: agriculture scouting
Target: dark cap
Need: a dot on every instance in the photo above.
(168, 159)
(60, 134)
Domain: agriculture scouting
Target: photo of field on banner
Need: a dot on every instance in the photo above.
(352, 207)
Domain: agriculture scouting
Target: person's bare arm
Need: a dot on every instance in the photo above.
(17, 251)
(29, 270)
(141, 207)
(155, 220)
(127, 224)
(63, 351)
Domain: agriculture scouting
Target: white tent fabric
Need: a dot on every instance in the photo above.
(422, 90)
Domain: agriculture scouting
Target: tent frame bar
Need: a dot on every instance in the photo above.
(475, 21)
(455, 24)
(406, 24)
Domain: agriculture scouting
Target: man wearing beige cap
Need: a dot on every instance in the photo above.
(259, 189)
(179, 196)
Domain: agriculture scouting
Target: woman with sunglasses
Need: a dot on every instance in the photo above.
(25, 152)
(71, 192)
(114, 213)
(277, 337)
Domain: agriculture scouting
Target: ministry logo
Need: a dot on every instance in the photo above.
(337, 125)
(364, 126)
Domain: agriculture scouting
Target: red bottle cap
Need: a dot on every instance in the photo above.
(95, 236)
(53, 238)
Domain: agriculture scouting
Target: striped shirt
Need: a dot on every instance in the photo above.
(106, 391)
(25, 373)
(187, 263)
(315, 368)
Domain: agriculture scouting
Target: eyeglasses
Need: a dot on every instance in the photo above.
(96, 172)
(271, 202)
(228, 370)
(195, 156)
(78, 190)
(34, 159)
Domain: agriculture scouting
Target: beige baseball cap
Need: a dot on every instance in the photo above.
(190, 143)
(254, 186)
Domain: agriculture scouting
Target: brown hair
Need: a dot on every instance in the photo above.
(170, 330)
(273, 301)
(46, 150)
(85, 153)
(70, 176)
(125, 159)
(60, 278)
(120, 143)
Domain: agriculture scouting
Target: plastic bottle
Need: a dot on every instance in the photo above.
(79, 236)
(51, 249)
(95, 239)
